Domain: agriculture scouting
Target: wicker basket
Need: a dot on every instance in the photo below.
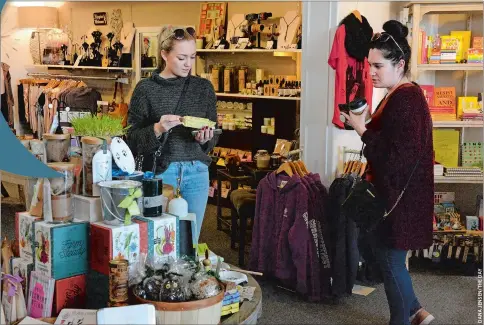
(205, 311)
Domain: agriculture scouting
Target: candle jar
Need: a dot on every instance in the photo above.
(262, 159)
(229, 78)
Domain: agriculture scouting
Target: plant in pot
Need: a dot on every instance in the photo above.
(94, 131)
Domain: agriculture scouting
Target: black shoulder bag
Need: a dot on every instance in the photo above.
(365, 206)
(141, 163)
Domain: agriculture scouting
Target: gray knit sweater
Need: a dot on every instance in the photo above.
(154, 97)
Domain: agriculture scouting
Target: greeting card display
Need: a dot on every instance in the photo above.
(24, 233)
(69, 293)
(41, 293)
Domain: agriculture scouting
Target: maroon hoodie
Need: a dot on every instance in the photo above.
(281, 240)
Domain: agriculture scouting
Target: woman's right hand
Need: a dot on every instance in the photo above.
(166, 123)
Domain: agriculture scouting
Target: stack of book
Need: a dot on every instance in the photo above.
(441, 101)
(463, 172)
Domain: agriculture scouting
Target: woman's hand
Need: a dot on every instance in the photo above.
(166, 123)
(357, 121)
(204, 135)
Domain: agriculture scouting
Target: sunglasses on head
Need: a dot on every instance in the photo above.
(384, 37)
(179, 33)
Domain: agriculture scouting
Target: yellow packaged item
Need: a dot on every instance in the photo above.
(197, 122)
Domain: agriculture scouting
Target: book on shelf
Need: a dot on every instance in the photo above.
(467, 104)
(464, 37)
(446, 146)
(41, 295)
(477, 42)
(471, 154)
(475, 55)
(438, 170)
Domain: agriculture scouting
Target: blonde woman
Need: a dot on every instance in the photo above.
(156, 106)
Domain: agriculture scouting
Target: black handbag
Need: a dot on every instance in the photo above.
(141, 163)
(365, 206)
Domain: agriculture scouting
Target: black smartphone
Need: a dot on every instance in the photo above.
(215, 132)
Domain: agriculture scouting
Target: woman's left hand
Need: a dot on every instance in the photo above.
(204, 135)
(358, 122)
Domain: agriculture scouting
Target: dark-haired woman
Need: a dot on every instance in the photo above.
(398, 140)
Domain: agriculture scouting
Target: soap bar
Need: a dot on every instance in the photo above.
(197, 122)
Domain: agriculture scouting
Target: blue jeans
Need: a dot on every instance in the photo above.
(194, 187)
(398, 285)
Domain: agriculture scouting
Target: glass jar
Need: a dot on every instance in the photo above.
(262, 159)
(243, 71)
(217, 77)
(61, 191)
(229, 78)
(57, 147)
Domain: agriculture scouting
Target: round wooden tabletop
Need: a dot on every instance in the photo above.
(249, 311)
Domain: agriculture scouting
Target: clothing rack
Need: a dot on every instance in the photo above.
(53, 75)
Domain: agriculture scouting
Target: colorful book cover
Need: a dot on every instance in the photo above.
(464, 44)
(23, 269)
(477, 42)
(449, 48)
(446, 147)
(41, 294)
(467, 105)
(428, 91)
(61, 249)
(445, 97)
(475, 55)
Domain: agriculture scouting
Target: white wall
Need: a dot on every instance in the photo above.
(376, 13)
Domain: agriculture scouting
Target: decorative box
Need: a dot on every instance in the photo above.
(87, 208)
(160, 237)
(114, 242)
(69, 293)
(60, 249)
(22, 268)
(24, 234)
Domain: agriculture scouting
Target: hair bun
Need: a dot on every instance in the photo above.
(396, 29)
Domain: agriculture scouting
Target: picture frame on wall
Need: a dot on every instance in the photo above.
(213, 20)
(100, 18)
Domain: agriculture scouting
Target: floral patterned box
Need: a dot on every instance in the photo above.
(60, 249)
(24, 234)
(159, 237)
(114, 242)
(69, 293)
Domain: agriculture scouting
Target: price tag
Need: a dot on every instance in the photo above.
(211, 191)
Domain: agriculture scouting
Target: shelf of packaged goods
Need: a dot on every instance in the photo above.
(458, 179)
(53, 66)
(458, 124)
(248, 51)
(451, 67)
(463, 231)
(256, 96)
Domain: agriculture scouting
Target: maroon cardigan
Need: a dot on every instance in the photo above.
(403, 135)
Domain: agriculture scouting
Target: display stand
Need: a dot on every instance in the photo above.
(289, 25)
(127, 36)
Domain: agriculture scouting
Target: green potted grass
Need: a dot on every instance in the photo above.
(92, 130)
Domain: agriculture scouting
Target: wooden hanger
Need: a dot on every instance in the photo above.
(357, 15)
(362, 169)
(285, 167)
(296, 168)
(303, 167)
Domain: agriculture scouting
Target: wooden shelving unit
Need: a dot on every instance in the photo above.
(256, 96)
(458, 124)
(451, 67)
(71, 67)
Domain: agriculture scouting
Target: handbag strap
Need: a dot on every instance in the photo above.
(165, 136)
(116, 84)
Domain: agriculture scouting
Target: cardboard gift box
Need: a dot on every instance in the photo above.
(24, 234)
(60, 249)
(114, 242)
(70, 293)
(159, 237)
(87, 208)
